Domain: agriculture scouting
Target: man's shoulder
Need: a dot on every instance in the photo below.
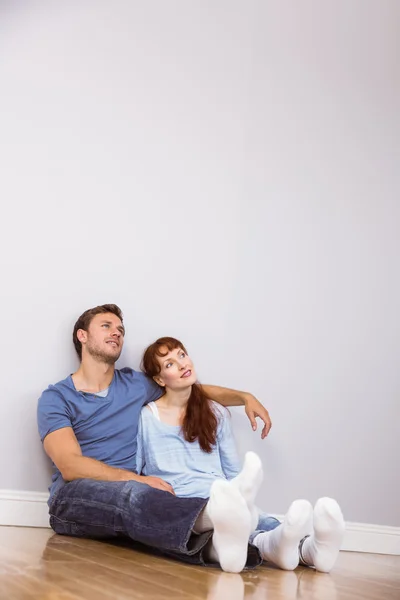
(139, 380)
(62, 389)
(62, 386)
(66, 387)
(130, 375)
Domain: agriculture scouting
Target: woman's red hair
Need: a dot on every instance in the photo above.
(200, 421)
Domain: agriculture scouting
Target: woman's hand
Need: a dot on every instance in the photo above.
(254, 409)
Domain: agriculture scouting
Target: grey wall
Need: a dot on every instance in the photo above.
(228, 172)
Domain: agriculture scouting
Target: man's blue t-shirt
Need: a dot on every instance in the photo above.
(105, 427)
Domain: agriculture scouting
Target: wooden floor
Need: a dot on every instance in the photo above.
(35, 563)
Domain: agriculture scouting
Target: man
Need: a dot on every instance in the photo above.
(88, 425)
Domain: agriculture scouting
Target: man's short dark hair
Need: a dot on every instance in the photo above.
(86, 318)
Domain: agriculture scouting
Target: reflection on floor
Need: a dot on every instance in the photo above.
(36, 564)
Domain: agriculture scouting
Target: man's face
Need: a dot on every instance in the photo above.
(104, 338)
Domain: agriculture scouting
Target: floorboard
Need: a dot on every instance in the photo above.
(36, 564)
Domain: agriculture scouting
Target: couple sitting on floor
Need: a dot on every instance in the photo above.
(183, 453)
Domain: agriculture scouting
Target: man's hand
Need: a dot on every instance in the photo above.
(64, 450)
(155, 482)
(254, 408)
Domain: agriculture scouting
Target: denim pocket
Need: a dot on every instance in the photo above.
(65, 527)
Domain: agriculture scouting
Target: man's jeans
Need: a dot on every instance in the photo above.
(112, 509)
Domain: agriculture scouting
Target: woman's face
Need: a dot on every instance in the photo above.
(177, 370)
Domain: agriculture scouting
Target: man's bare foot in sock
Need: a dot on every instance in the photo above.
(321, 549)
(248, 483)
(231, 520)
(281, 545)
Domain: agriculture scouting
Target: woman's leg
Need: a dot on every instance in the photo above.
(265, 523)
(321, 548)
(285, 549)
(280, 544)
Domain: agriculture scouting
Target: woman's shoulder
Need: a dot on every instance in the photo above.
(148, 410)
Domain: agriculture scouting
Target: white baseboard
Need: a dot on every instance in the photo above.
(29, 509)
(24, 509)
(376, 539)
(373, 539)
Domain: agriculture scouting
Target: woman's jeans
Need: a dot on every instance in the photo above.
(265, 523)
(128, 509)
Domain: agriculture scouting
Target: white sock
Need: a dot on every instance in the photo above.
(321, 549)
(248, 483)
(281, 545)
(231, 521)
(203, 522)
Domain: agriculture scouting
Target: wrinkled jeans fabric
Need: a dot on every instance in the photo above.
(129, 509)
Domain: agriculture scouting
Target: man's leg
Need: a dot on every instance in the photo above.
(108, 509)
(231, 521)
(232, 515)
(248, 482)
(101, 510)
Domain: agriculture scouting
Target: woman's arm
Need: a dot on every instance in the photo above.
(253, 407)
(228, 454)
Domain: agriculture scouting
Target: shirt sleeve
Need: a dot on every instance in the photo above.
(153, 391)
(140, 457)
(52, 413)
(226, 443)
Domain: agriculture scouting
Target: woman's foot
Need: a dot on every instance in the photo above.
(321, 548)
(281, 545)
(231, 521)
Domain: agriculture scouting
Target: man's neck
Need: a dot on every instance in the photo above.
(93, 376)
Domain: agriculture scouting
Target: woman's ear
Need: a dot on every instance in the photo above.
(158, 380)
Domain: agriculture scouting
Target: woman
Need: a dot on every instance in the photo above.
(186, 439)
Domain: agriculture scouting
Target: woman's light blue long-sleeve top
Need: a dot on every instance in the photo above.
(163, 452)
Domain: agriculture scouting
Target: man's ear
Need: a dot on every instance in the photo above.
(158, 380)
(81, 334)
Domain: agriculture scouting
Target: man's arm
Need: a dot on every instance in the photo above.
(65, 452)
(253, 407)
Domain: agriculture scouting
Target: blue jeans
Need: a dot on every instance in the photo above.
(128, 509)
(265, 523)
